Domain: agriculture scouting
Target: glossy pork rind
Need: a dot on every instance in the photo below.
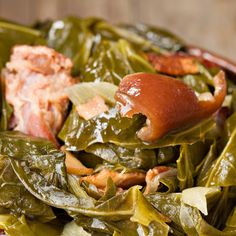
(144, 127)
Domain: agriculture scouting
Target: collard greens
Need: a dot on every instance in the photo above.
(38, 196)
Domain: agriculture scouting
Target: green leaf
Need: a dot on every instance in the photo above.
(223, 172)
(110, 191)
(40, 166)
(45, 191)
(130, 158)
(83, 92)
(97, 226)
(167, 155)
(205, 165)
(43, 156)
(190, 156)
(72, 229)
(15, 199)
(79, 134)
(193, 223)
(230, 125)
(129, 205)
(186, 219)
(77, 190)
(167, 203)
(197, 82)
(158, 36)
(6, 109)
(231, 221)
(169, 183)
(73, 38)
(220, 210)
(197, 197)
(111, 61)
(14, 226)
(113, 32)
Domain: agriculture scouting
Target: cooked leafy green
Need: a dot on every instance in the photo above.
(222, 171)
(131, 158)
(158, 36)
(111, 127)
(14, 226)
(15, 199)
(190, 156)
(114, 33)
(231, 221)
(219, 212)
(37, 195)
(111, 61)
(197, 197)
(43, 157)
(72, 229)
(186, 218)
(6, 109)
(73, 38)
(82, 92)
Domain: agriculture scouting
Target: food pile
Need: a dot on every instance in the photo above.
(119, 130)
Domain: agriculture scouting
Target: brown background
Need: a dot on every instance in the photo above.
(207, 23)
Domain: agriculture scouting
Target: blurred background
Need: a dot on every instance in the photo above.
(207, 23)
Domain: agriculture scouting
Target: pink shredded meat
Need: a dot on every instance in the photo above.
(35, 79)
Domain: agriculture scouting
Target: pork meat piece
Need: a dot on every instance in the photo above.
(35, 79)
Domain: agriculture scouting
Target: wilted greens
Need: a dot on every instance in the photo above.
(37, 195)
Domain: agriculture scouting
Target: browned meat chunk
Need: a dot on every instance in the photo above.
(154, 176)
(174, 64)
(123, 180)
(36, 78)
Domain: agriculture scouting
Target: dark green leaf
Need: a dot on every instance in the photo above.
(222, 171)
(14, 226)
(186, 219)
(110, 191)
(168, 204)
(6, 109)
(43, 157)
(16, 199)
(167, 155)
(115, 33)
(73, 38)
(111, 61)
(158, 36)
(111, 127)
(129, 205)
(130, 158)
(204, 166)
(40, 167)
(231, 221)
(96, 226)
(220, 211)
(190, 157)
(197, 82)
